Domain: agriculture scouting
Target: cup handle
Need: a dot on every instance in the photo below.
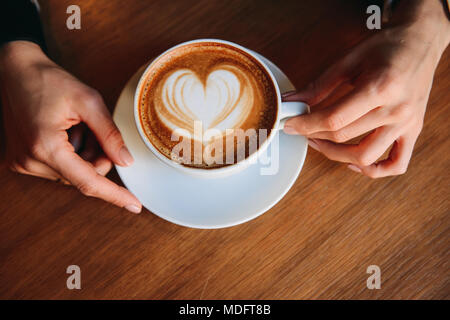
(290, 109)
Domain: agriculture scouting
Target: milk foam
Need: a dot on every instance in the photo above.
(222, 101)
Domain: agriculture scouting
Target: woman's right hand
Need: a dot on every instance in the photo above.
(41, 102)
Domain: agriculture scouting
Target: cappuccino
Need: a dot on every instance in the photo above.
(211, 98)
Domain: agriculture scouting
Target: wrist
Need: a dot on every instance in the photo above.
(21, 54)
(435, 26)
(426, 20)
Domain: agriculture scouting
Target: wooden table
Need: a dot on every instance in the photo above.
(315, 243)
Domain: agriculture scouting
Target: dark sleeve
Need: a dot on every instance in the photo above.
(19, 20)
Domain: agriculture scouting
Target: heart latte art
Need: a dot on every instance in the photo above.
(205, 86)
(223, 101)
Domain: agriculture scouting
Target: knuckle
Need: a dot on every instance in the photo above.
(364, 159)
(36, 149)
(300, 126)
(392, 81)
(118, 199)
(314, 88)
(339, 136)
(334, 122)
(401, 169)
(401, 112)
(113, 136)
(375, 89)
(383, 83)
(87, 189)
(372, 175)
(24, 163)
(92, 98)
(15, 167)
(388, 82)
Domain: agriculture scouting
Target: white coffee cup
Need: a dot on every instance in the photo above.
(285, 110)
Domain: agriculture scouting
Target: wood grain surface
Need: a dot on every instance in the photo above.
(315, 243)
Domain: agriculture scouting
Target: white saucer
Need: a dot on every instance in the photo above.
(199, 202)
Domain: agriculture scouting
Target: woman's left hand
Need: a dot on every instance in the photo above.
(391, 74)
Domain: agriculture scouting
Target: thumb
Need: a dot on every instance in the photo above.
(98, 119)
(83, 175)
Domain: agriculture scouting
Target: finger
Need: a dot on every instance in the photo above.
(36, 168)
(369, 149)
(324, 85)
(102, 165)
(374, 119)
(97, 117)
(84, 176)
(348, 109)
(397, 162)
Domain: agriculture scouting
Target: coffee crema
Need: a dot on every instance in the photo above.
(207, 87)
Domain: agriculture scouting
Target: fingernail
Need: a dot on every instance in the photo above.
(289, 93)
(289, 129)
(313, 144)
(133, 208)
(126, 156)
(354, 168)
